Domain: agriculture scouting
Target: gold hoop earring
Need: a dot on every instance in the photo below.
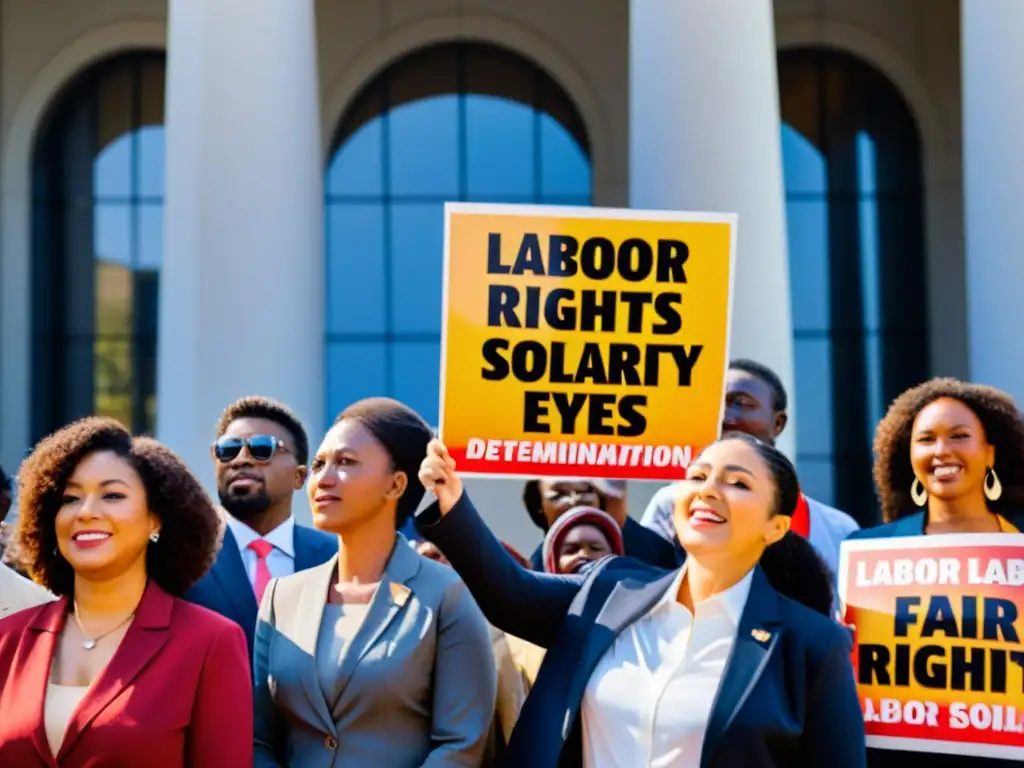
(993, 488)
(918, 493)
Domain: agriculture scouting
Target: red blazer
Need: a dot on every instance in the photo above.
(176, 693)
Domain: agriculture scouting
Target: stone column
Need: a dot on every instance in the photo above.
(992, 53)
(241, 294)
(705, 136)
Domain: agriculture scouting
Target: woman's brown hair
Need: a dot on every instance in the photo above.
(190, 526)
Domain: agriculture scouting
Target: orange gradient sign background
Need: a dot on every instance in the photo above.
(678, 420)
(939, 624)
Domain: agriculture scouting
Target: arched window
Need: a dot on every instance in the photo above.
(98, 186)
(459, 121)
(852, 162)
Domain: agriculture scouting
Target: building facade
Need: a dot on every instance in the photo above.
(205, 200)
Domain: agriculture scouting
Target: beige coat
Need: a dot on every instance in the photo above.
(18, 593)
(527, 657)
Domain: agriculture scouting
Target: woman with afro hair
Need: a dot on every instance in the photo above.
(949, 458)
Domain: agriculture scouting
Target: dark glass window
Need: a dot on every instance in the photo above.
(98, 186)
(459, 121)
(852, 162)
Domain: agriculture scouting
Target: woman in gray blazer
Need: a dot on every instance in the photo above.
(379, 657)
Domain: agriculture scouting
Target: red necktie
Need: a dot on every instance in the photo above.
(262, 548)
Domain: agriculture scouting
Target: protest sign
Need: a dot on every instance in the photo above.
(938, 656)
(584, 342)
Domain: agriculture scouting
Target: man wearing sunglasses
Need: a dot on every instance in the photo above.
(260, 458)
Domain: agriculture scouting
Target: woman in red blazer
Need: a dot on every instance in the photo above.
(119, 671)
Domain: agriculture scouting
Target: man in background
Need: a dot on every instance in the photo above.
(260, 459)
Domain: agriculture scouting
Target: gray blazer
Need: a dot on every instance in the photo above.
(419, 676)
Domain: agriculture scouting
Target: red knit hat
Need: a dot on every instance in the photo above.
(580, 516)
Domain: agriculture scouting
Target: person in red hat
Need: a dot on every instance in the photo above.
(580, 536)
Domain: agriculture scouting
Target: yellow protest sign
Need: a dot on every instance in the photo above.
(938, 656)
(583, 341)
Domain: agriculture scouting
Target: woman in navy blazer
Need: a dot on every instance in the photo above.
(949, 458)
(706, 666)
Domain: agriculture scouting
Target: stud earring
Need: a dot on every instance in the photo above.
(154, 536)
(993, 488)
(918, 493)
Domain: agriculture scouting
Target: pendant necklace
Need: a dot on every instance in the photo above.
(90, 642)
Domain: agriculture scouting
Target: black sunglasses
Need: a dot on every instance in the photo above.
(260, 447)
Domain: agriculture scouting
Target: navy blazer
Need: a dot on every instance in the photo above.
(914, 525)
(226, 588)
(787, 696)
(640, 543)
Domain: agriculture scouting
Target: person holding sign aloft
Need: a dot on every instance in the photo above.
(949, 460)
(706, 666)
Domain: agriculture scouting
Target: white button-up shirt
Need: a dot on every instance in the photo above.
(280, 561)
(649, 699)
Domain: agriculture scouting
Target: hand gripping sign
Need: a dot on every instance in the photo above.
(938, 656)
(583, 342)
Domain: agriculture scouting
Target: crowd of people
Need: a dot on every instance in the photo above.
(144, 623)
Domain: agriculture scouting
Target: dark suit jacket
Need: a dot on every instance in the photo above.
(640, 543)
(787, 696)
(176, 693)
(227, 590)
(913, 525)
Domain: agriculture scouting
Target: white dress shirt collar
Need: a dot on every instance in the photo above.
(650, 697)
(282, 537)
(733, 599)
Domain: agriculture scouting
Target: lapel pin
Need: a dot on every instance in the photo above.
(399, 593)
(761, 635)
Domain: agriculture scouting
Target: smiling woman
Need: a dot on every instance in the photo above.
(96, 504)
(709, 664)
(118, 528)
(955, 449)
(949, 458)
(719, 513)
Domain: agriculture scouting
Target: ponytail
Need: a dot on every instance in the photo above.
(796, 570)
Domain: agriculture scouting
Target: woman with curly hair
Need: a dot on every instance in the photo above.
(949, 458)
(119, 670)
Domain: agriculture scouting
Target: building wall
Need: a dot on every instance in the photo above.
(583, 44)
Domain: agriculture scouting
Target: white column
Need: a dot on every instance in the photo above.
(241, 301)
(705, 136)
(992, 51)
